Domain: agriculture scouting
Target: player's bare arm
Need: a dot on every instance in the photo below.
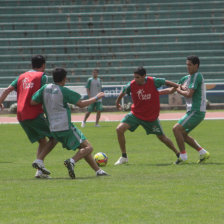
(118, 100)
(33, 103)
(171, 90)
(5, 94)
(84, 103)
(167, 91)
(185, 92)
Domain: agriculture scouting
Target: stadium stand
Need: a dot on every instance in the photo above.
(115, 37)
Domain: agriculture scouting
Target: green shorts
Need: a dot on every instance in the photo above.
(191, 119)
(70, 139)
(36, 129)
(97, 105)
(151, 127)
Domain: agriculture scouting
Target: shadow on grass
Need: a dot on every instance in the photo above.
(5, 162)
(171, 164)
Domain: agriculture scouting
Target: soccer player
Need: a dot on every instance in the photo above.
(55, 98)
(31, 118)
(192, 87)
(144, 110)
(93, 87)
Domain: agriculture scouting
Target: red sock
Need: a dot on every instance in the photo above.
(199, 149)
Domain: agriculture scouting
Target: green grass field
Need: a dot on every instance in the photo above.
(147, 190)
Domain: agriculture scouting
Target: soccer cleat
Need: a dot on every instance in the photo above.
(70, 167)
(180, 161)
(204, 157)
(40, 166)
(121, 160)
(101, 173)
(83, 124)
(97, 125)
(39, 174)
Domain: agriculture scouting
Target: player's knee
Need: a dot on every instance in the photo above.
(120, 129)
(175, 128)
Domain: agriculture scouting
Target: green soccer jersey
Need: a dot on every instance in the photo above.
(157, 81)
(55, 100)
(94, 86)
(198, 101)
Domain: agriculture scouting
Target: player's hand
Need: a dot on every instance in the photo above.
(119, 107)
(183, 87)
(100, 95)
(1, 106)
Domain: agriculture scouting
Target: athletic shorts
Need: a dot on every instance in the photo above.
(97, 105)
(191, 119)
(70, 139)
(151, 127)
(36, 129)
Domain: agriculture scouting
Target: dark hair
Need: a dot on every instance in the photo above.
(37, 61)
(194, 59)
(140, 71)
(59, 74)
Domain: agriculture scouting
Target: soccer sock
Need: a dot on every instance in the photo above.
(39, 161)
(202, 151)
(124, 155)
(72, 161)
(183, 155)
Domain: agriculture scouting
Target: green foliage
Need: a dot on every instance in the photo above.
(147, 190)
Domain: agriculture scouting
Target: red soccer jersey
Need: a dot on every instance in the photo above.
(146, 105)
(28, 83)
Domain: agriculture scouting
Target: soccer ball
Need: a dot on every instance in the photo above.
(101, 159)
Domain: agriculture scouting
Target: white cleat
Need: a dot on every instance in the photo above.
(121, 160)
(101, 173)
(97, 125)
(39, 174)
(83, 124)
(40, 166)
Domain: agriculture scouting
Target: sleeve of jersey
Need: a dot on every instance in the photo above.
(181, 81)
(44, 80)
(38, 95)
(88, 84)
(14, 83)
(159, 82)
(127, 89)
(71, 96)
(196, 82)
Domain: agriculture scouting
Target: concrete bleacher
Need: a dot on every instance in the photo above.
(115, 37)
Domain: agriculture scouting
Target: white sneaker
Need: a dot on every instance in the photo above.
(101, 173)
(40, 166)
(121, 160)
(39, 174)
(97, 125)
(83, 124)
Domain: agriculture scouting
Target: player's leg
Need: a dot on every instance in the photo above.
(99, 108)
(98, 114)
(129, 122)
(155, 127)
(121, 129)
(179, 133)
(90, 160)
(85, 119)
(193, 122)
(168, 143)
(45, 147)
(36, 130)
(73, 139)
